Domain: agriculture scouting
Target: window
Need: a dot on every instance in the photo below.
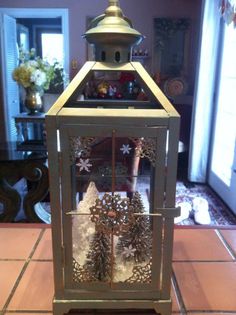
(225, 131)
(52, 47)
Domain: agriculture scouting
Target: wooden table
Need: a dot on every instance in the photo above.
(15, 165)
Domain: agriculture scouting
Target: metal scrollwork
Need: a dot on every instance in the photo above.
(111, 214)
(145, 148)
(80, 147)
(141, 274)
(80, 274)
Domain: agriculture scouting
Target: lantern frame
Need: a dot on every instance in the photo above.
(132, 120)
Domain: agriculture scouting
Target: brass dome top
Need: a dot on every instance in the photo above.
(113, 35)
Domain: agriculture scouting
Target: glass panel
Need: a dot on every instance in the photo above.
(113, 89)
(92, 162)
(112, 85)
(112, 230)
(133, 247)
(114, 243)
(91, 248)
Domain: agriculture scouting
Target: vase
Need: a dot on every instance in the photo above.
(33, 101)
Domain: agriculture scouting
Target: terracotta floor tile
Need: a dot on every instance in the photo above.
(9, 272)
(35, 290)
(194, 244)
(207, 286)
(230, 237)
(17, 243)
(44, 248)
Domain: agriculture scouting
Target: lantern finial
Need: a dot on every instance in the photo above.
(114, 2)
(114, 9)
(113, 35)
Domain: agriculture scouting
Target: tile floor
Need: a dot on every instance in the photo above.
(203, 282)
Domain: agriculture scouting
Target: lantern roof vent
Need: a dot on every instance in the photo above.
(112, 35)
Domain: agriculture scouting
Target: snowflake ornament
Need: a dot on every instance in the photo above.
(112, 214)
(129, 251)
(84, 165)
(126, 149)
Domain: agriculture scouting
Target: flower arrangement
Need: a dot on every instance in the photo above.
(59, 80)
(33, 72)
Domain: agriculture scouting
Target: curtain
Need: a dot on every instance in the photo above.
(204, 92)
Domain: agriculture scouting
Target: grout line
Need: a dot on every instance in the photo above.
(27, 261)
(36, 244)
(22, 259)
(202, 261)
(13, 259)
(225, 243)
(30, 312)
(42, 260)
(178, 295)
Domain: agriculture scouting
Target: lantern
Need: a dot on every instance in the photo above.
(112, 141)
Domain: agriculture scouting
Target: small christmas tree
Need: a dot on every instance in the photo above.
(135, 244)
(98, 261)
(83, 229)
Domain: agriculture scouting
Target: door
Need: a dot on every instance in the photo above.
(109, 237)
(10, 88)
(8, 58)
(222, 175)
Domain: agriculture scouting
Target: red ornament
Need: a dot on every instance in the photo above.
(111, 214)
(118, 95)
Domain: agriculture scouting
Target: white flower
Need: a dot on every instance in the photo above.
(125, 149)
(38, 77)
(34, 72)
(129, 251)
(84, 165)
(33, 63)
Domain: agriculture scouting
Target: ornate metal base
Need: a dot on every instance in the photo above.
(162, 307)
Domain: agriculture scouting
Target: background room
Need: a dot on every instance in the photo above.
(180, 38)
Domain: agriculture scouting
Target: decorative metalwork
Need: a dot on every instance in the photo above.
(141, 274)
(112, 214)
(80, 147)
(81, 274)
(145, 148)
